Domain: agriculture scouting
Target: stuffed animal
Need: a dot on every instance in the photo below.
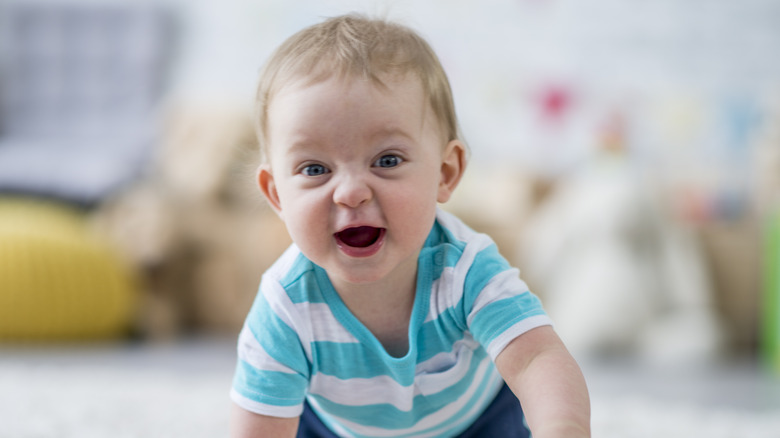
(196, 224)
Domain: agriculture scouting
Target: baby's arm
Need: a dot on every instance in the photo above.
(548, 383)
(245, 424)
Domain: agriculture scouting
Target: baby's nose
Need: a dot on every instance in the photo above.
(352, 191)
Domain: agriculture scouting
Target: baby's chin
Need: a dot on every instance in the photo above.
(353, 272)
(355, 277)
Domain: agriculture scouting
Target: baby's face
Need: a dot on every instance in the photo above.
(355, 172)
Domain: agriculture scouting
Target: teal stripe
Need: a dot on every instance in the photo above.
(438, 336)
(442, 242)
(464, 417)
(278, 339)
(387, 416)
(446, 236)
(446, 255)
(300, 285)
(338, 360)
(279, 389)
(487, 264)
(498, 316)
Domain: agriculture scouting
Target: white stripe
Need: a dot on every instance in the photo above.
(284, 308)
(444, 359)
(360, 392)
(265, 409)
(432, 383)
(432, 376)
(286, 261)
(279, 301)
(324, 325)
(501, 341)
(447, 290)
(436, 419)
(460, 230)
(250, 351)
(506, 284)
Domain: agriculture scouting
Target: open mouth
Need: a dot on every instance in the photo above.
(359, 237)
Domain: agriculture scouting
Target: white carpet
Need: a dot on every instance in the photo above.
(636, 417)
(181, 391)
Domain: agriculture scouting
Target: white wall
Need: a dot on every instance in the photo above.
(689, 78)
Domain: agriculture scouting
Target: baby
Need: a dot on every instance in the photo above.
(387, 316)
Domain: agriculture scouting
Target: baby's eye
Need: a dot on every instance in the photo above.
(388, 161)
(314, 170)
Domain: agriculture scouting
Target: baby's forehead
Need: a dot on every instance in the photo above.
(309, 112)
(400, 94)
(389, 85)
(291, 96)
(382, 81)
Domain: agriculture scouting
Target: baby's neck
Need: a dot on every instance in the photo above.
(384, 309)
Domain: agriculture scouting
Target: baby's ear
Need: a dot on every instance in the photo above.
(452, 167)
(265, 179)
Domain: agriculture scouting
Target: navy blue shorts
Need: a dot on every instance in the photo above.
(502, 418)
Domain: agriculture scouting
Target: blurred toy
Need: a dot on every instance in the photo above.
(615, 274)
(196, 226)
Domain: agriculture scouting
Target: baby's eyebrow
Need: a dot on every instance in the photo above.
(387, 132)
(303, 144)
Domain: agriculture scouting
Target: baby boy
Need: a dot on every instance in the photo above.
(387, 316)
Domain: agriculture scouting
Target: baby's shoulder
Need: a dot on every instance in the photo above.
(292, 275)
(460, 244)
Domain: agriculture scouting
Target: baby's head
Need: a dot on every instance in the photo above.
(360, 142)
(355, 47)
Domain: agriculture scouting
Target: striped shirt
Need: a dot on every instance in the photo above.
(301, 342)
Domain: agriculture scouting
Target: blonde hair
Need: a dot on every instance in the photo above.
(355, 46)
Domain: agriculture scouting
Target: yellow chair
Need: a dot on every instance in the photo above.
(58, 279)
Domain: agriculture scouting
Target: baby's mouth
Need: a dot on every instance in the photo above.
(359, 237)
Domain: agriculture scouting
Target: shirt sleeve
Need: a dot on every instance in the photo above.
(272, 373)
(499, 305)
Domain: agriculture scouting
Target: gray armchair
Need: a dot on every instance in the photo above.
(80, 83)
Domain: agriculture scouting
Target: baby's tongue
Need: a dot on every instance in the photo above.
(359, 237)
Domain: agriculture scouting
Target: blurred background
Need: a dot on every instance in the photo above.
(625, 156)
